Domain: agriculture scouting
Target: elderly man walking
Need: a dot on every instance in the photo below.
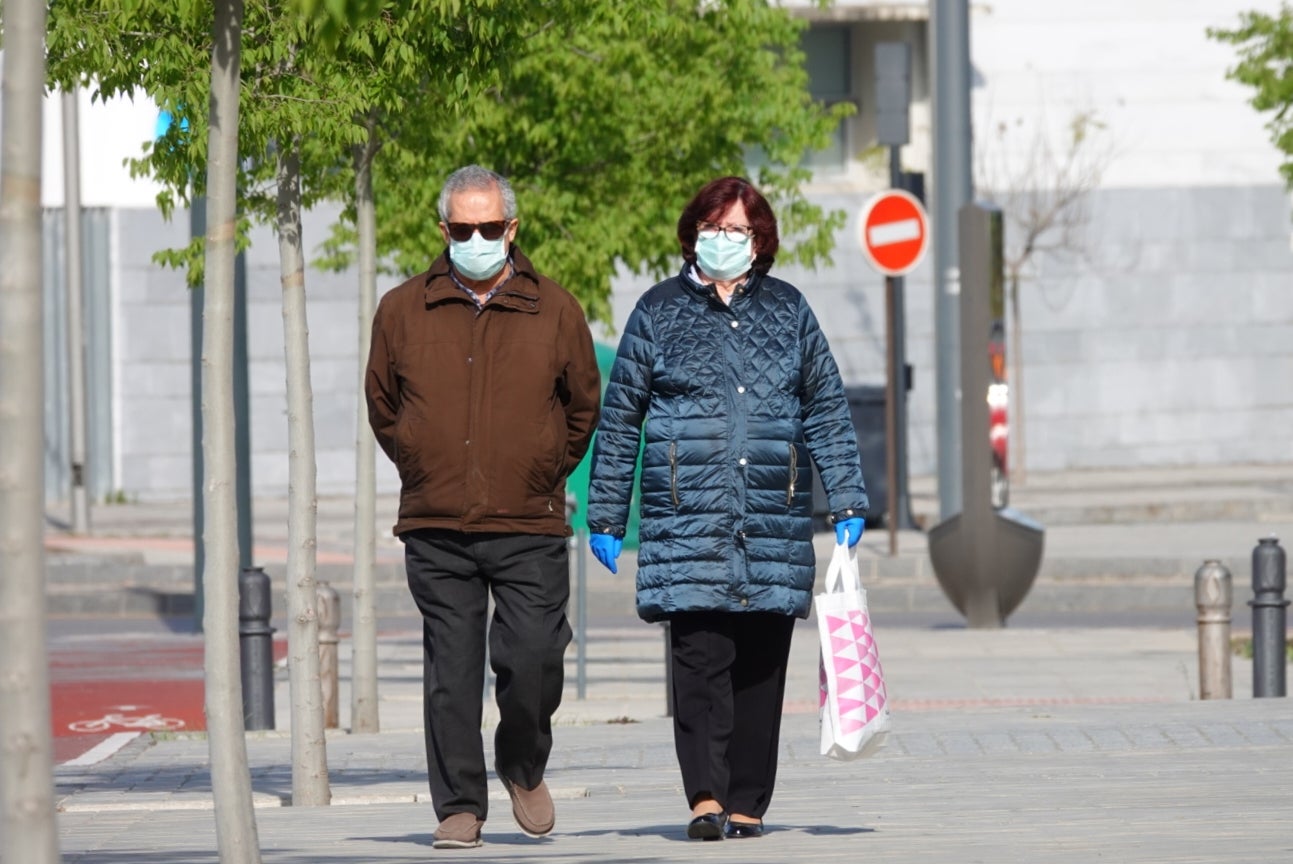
(482, 388)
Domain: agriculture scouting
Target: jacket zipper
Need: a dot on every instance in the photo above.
(673, 472)
(794, 470)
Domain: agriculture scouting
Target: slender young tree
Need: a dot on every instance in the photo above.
(364, 714)
(28, 832)
(309, 744)
(236, 835)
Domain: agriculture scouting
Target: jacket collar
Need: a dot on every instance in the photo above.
(520, 292)
(701, 289)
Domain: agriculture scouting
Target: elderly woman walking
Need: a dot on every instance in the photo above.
(730, 376)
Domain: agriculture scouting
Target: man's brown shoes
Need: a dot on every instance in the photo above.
(457, 831)
(532, 808)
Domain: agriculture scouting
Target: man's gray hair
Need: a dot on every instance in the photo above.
(476, 177)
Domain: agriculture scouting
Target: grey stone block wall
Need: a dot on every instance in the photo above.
(1170, 341)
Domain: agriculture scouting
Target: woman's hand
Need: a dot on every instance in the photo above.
(850, 529)
(606, 548)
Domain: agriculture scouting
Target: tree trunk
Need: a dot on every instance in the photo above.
(309, 743)
(28, 832)
(1018, 473)
(363, 676)
(236, 834)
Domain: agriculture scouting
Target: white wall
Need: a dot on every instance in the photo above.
(111, 133)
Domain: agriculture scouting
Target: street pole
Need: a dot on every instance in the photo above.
(952, 188)
(242, 415)
(75, 312)
(893, 129)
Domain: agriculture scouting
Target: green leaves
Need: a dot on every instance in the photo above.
(606, 116)
(1265, 47)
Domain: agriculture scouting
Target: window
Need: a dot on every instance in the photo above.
(827, 60)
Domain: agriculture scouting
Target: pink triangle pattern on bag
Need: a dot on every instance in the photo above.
(856, 662)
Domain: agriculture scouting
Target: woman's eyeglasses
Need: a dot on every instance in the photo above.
(735, 233)
(462, 231)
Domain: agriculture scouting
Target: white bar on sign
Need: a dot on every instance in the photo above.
(894, 232)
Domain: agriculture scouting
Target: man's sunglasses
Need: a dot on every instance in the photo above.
(462, 231)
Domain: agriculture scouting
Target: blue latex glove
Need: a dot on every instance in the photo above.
(850, 529)
(606, 548)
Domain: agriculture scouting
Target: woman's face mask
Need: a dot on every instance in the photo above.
(478, 258)
(722, 257)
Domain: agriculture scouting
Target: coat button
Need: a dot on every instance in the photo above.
(742, 460)
(740, 389)
(745, 601)
(736, 323)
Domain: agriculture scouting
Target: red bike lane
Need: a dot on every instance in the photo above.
(108, 683)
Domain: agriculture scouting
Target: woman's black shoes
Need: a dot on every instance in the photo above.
(707, 826)
(737, 830)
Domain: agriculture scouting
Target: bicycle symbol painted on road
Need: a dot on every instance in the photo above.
(121, 720)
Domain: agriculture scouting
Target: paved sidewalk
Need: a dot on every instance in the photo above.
(1007, 746)
(1027, 744)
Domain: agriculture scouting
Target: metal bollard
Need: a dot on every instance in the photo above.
(1213, 594)
(256, 649)
(329, 610)
(1269, 619)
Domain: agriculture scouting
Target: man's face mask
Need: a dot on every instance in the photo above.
(475, 257)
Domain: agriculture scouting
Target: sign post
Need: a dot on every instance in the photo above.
(894, 236)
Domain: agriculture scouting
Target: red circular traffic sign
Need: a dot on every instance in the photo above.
(895, 232)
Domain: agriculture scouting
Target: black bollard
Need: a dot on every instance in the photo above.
(256, 649)
(1269, 605)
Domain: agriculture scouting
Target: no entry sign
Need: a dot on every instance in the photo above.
(895, 232)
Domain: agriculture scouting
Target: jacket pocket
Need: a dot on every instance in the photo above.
(794, 473)
(673, 473)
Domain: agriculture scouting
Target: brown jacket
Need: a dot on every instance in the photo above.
(484, 415)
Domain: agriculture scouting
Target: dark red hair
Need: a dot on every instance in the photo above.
(712, 201)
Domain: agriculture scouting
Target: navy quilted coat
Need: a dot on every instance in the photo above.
(733, 402)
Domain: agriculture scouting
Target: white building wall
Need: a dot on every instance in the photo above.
(1169, 342)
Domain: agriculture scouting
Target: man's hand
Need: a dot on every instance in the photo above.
(850, 529)
(606, 548)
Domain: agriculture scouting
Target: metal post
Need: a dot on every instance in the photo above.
(256, 649)
(242, 415)
(578, 545)
(668, 670)
(75, 313)
(1213, 593)
(949, 34)
(581, 612)
(329, 609)
(893, 130)
(1269, 619)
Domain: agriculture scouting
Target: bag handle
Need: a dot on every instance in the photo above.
(842, 573)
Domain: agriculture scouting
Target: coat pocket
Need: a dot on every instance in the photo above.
(673, 473)
(794, 475)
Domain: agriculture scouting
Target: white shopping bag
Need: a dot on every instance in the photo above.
(853, 705)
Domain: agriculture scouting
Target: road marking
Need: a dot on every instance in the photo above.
(894, 232)
(104, 749)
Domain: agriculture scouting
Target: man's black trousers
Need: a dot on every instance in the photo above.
(451, 575)
(729, 679)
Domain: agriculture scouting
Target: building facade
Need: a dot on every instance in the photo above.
(1156, 328)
